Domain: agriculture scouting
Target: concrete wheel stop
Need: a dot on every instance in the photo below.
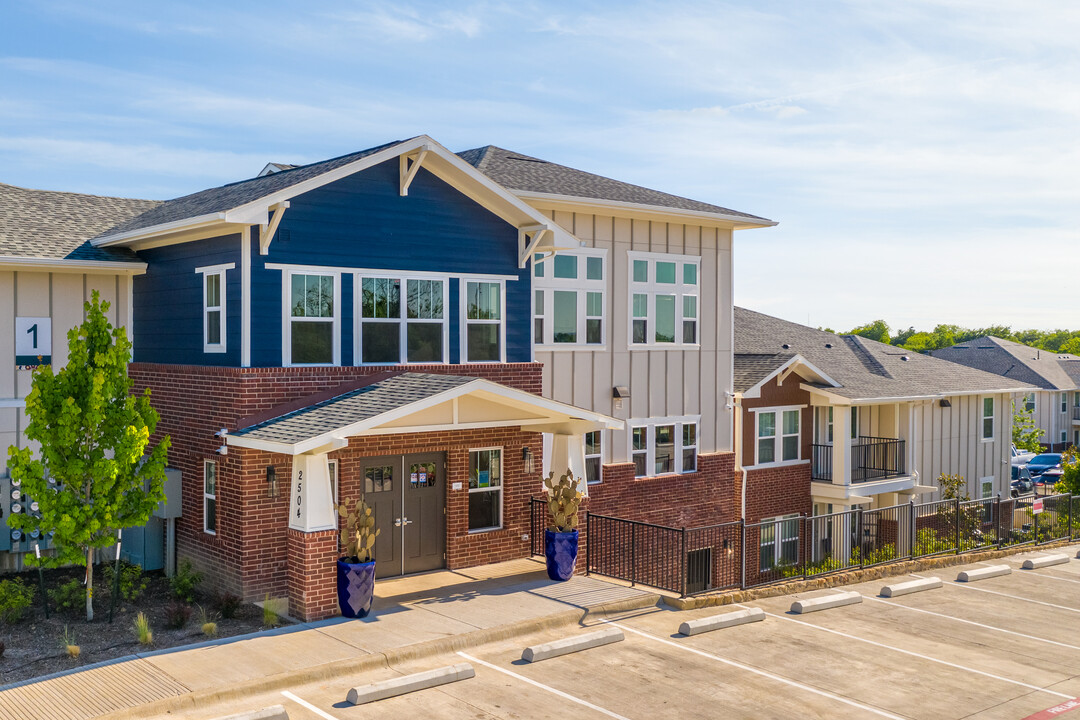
(409, 683)
(545, 651)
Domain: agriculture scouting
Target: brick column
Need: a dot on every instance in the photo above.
(312, 574)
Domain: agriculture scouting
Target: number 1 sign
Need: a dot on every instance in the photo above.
(33, 341)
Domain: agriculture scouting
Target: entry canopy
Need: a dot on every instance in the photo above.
(405, 402)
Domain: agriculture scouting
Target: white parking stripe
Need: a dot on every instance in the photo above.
(1032, 574)
(763, 673)
(549, 689)
(965, 586)
(918, 655)
(308, 705)
(976, 624)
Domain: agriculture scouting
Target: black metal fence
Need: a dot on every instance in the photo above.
(872, 458)
(742, 555)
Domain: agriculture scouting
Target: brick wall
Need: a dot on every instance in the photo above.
(777, 491)
(312, 574)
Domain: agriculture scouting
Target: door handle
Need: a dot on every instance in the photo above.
(406, 521)
(397, 522)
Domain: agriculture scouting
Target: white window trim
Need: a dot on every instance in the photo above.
(982, 486)
(334, 467)
(500, 490)
(777, 543)
(287, 319)
(983, 417)
(1064, 402)
(600, 456)
(1033, 403)
(464, 322)
(779, 437)
(206, 272)
(650, 442)
(651, 288)
(403, 321)
(208, 496)
(582, 286)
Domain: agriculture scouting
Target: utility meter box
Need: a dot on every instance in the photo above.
(173, 505)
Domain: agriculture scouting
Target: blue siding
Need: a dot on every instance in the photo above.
(168, 303)
(362, 222)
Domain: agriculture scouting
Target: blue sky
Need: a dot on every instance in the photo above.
(921, 157)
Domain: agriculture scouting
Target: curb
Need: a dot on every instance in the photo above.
(905, 567)
(384, 659)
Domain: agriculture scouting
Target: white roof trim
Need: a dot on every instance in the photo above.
(737, 220)
(563, 411)
(123, 267)
(903, 398)
(797, 359)
(256, 211)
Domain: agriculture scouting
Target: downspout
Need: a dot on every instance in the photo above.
(737, 397)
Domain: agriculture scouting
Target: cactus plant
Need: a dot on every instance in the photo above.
(358, 535)
(563, 501)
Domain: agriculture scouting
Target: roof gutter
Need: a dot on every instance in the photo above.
(739, 221)
(904, 398)
(153, 231)
(125, 267)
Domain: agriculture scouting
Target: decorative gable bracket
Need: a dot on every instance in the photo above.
(529, 238)
(409, 165)
(267, 230)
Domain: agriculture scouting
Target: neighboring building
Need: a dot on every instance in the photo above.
(1055, 400)
(366, 325)
(831, 422)
(47, 271)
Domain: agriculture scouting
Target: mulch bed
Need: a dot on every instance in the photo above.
(33, 646)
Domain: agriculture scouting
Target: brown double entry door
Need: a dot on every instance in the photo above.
(407, 494)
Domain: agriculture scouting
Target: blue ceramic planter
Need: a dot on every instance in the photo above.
(355, 588)
(560, 549)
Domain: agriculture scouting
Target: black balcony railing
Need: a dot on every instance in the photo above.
(1076, 413)
(872, 458)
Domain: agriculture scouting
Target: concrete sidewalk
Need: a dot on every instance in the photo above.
(412, 617)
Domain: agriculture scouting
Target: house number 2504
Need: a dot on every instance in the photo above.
(299, 487)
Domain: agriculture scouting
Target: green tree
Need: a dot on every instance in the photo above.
(93, 436)
(952, 487)
(1072, 345)
(1070, 473)
(877, 330)
(1025, 435)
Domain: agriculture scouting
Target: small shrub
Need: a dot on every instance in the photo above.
(15, 597)
(271, 612)
(185, 582)
(177, 615)
(142, 629)
(228, 604)
(132, 582)
(70, 597)
(207, 622)
(68, 641)
(209, 629)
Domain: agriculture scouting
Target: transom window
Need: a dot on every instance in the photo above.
(483, 326)
(664, 299)
(569, 298)
(312, 327)
(213, 294)
(778, 435)
(402, 320)
(662, 446)
(485, 489)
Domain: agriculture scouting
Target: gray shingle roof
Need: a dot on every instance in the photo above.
(750, 369)
(57, 225)
(865, 369)
(1047, 370)
(233, 195)
(528, 174)
(352, 407)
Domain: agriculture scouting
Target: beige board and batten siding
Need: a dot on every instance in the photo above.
(949, 440)
(56, 295)
(662, 383)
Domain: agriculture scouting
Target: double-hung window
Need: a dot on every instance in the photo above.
(779, 542)
(213, 295)
(778, 435)
(569, 298)
(594, 456)
(485, 489)
(661, 446)
(664, 296)
(1029, 402)
(312, 336)
(402, 320)
(210, 497)
(988, 418)
(1064, 402)
(483, 336)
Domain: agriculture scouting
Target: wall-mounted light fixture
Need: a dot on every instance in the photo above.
(223, 450)
(944, 402)
(620, 393)
(271, 482)
(527, 459)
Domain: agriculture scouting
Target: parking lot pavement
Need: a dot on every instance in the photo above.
(1006, 647)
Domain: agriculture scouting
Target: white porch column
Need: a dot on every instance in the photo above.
(311, 504)
(842, 529)
(841, 449)
(568, 453)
